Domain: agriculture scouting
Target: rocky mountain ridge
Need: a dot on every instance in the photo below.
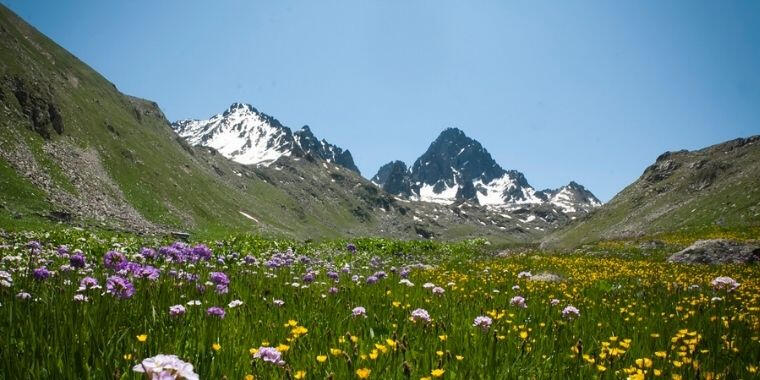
(456, 168)
(250, 137)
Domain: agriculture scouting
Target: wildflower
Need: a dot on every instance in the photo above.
(406, 282)
(34, 246)
(428, 285)
(120, 287)
(644, 363)
(321, 358)
(518, 301)
(282, 347)
(269, 355)
(24, 296)
(363, 373)
(299, 375)
(724, 283)
(601, 368)
(524, 334)
(278, 303)
(166, 367)
(459, 357)
(359, 312)
(219, 278)
(142, 338)
(438, 372)
(443, 338)
(77, 260)
(235, 303)
(6, 280)
(438, 290)
(80, 298)
(41, 273)
(115, 260)
(194, 303)
(332, 290)
(336, 351)
(371, 280)
(420, 315)
(570, 312)
(216, 346)
(554, 302)
(215, 311)
(350, 247)
(176, 310)
(483, 322)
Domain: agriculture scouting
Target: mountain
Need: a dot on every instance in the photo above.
(74, 150)
(715, 188)
(247, 136)
(456, 168)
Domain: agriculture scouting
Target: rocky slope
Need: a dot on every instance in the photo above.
(247, 136)
(456, 168)
(717, 187)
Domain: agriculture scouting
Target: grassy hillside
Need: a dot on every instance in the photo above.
(711, 192)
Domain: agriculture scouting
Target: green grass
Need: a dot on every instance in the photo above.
(640, 300)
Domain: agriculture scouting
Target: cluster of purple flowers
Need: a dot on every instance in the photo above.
(119, 287)
(181, 252)
(115, 261)
(42, 273)
(221, 282)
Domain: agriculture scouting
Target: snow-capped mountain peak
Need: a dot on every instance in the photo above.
(456, 168)
(250, 137)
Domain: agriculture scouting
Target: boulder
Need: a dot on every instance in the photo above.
(718, 251)
(545, 277)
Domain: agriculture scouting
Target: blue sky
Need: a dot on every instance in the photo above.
(591, 91)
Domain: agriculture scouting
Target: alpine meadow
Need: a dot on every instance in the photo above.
(200, 237)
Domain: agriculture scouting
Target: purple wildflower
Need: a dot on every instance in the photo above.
(115, 260)
(88, 283)
(278, 303)
(359, 312)
(148, 253)
(120, 287)
(177, 310)
(570, 312)
(351, 247)
(420, 315)
(518, 301)
(269, 355)
(371, 279)
(215, 311)
(41, 273)
(483, 322)
(77, 260)
(219, 278)
(166, 367)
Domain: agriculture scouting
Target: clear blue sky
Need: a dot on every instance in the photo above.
(590, 90)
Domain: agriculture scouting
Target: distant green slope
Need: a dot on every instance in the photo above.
(699, 192)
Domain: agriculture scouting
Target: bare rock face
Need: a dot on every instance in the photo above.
(718, 251)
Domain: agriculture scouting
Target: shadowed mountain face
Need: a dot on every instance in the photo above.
(247, 136)
(457, 168)
(717, 187)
